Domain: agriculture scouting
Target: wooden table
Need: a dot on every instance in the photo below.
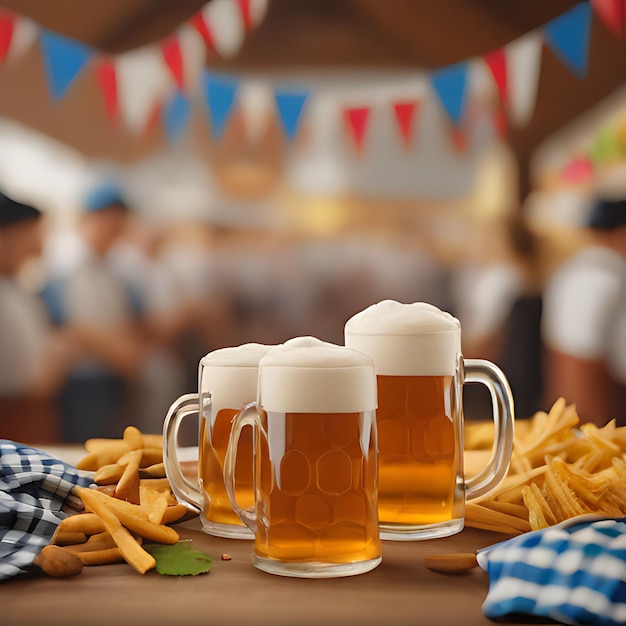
(399, 591)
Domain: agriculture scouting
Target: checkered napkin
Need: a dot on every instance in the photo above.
(574, 573)
(33, 488)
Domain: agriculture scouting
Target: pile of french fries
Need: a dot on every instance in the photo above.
(559, 469)
(133, 503)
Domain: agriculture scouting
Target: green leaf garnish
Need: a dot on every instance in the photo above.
(179, 559)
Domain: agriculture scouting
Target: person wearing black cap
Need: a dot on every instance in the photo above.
(94, 302)
(584, 319)
(33, 358)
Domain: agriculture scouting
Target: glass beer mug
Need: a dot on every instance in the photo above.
(420, 374)
(315, 462)
(227, 380)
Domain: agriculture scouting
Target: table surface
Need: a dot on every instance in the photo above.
(399, 591)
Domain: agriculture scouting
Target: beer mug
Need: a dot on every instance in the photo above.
(227, 380)
(315, 464)
(420, 374)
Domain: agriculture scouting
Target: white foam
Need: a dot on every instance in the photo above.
(306, 375)
(230, 376)
(415, 339)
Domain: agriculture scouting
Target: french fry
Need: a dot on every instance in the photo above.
(86, 523)
(67, 538)
(153, 504)
(104, 455)
(132, 552)
(101, 541)
(153, 471)
(128, 486)
(558, 470)
(173, 513)
(133, 518)
(133, 438)
(107, 556)
(110, 474)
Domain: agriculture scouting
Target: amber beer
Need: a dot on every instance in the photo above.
(420, 373)
(417, 450)
(227, 381)
(315, 511)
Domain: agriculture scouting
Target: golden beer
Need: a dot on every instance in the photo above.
(318, 502)
(215, 505)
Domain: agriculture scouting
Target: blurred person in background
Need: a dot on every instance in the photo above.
(33, 358)
(584, 323)
(498, 299)
(166, 317)
(92, 300)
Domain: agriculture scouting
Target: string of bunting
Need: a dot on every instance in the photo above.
(163, 81)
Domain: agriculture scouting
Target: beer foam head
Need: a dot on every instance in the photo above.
(230, 375)
(306, 375)
(415, 339)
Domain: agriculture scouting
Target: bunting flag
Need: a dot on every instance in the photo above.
(612, 13)
(568, 37)
(225, 23)
(174, 59)
(356, 121)
(523, 61)
(176, 115)
(496, 62)
(105, 73)
(20, 36)
(405, 116)
(6, 34)
(63, 59)
(256, 102)
(193, 56)
(199, 23)
(220, 94)
(290, 105)
(142, 81)
(450, 83)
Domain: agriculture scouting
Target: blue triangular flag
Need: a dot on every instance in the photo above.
(220, 94)
(176, 115)
(63, 59)
(568, 37)
(290, 104)
(449, 83)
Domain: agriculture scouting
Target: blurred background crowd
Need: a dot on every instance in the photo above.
(117, 276)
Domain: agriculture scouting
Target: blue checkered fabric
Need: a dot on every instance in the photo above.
(574, 573)
(33, 488)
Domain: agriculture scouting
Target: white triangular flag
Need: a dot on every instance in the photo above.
(523, 64)
(256, 102)
(24, 36)
(258, 9)
(143, 80)
(193, 52)
(225, 22)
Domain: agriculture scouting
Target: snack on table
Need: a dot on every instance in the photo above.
(559, 469)
(133, 502)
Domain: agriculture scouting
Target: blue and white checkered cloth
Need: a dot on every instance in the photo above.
(33, 488)
(574, 573)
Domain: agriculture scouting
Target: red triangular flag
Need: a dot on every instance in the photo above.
(356, 120)
(6, 34)
(174, 59)
(496, 61)
(105, 72)
(244, 7)
(199, 23)
(612, 13)
(405, 114)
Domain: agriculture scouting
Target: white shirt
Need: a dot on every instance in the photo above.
(24, 333)
(584, 311)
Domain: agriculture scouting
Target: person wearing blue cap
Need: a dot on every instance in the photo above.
(584, 319)
(33, 358)
(94, 301)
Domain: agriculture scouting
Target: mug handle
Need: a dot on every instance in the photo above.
(185, 491)
(490, 375)
(248, 416)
